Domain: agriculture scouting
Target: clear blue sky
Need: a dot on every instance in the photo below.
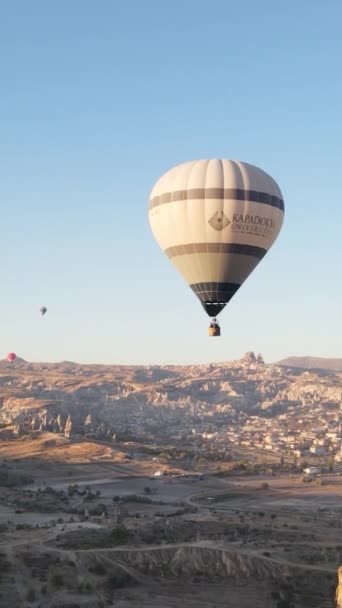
(98, 99)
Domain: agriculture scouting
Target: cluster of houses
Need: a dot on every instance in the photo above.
(309, 433)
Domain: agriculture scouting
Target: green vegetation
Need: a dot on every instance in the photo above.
(99, 569)
(10, 479)
(118, 581)
(120, 535)
(5, 565)
(31, 595)
(57, 580)
(134, 498)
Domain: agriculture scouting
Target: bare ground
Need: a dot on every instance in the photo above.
(282, 543)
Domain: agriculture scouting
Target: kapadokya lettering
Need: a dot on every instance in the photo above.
(256, 220)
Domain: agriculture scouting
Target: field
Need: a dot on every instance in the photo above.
(93, 534)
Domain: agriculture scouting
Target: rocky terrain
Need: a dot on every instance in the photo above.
(85, 523)
(107, 402)
(111, 547)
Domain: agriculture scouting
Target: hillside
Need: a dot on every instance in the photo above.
(312, 363)
(161, 403)
(168, 486)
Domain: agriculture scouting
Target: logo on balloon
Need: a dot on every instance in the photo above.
(252, 224)
(248, 224)
(219, 221)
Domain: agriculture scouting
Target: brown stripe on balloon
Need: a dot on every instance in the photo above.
(189, 248)
(217, 194)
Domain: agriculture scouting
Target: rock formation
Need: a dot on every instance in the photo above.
(339, 589)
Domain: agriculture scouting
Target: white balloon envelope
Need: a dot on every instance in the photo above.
(215, 220)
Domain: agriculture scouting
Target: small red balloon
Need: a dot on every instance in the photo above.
(11, 357)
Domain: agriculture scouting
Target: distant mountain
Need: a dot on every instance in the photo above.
(312, 363)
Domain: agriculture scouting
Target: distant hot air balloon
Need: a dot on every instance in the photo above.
(11, 357)
(215, 220)
(43, 310)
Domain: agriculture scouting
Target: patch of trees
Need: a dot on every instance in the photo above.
(10, 479)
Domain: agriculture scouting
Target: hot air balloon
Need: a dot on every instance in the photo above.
(11, 357)
(215, 220)
(43, 310)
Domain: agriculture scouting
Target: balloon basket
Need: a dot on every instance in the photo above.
(214, 330)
